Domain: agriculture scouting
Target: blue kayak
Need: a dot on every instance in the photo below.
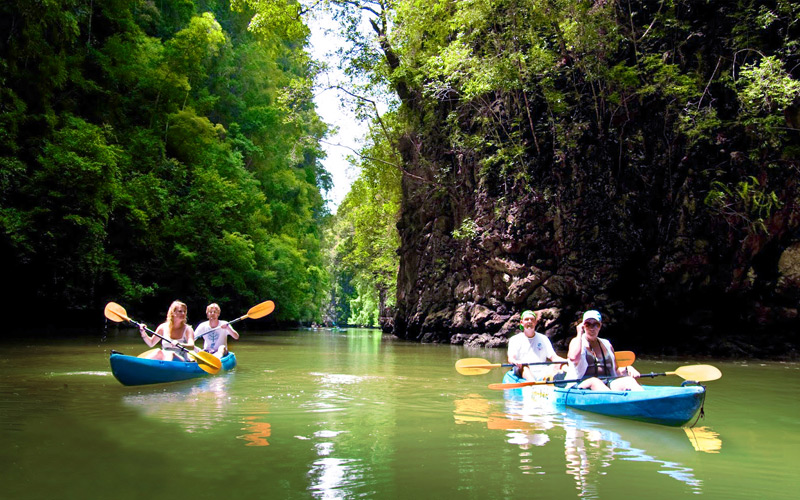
(130, 370)
(665, 405)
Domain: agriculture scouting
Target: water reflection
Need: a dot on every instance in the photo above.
(589, 448)
(333, 478)
(704, 439)
(335, 473)
(341, 400)
(201, 407)
(256, 432)
(195, 407)
(590, 445)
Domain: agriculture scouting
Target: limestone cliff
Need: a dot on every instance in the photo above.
(615, 196)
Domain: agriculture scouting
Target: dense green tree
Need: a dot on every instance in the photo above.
(366, 240)
(159, 150)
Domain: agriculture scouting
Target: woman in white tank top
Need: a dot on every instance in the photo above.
(591, 356)
(174, 328)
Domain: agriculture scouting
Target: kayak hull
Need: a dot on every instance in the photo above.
(664, 405)
(130, 370)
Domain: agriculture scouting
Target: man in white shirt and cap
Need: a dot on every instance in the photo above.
(530, 346)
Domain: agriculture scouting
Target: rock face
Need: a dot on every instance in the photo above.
(667, 282)
(626, 173)
(669, 274)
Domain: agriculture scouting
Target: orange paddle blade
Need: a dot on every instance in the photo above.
(115, 312)
(624, 358)
(260, 310)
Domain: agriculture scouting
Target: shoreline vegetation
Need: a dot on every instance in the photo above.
(553, 156)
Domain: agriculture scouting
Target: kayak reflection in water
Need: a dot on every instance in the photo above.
(174, 328)
(590, 449)
(593, 357)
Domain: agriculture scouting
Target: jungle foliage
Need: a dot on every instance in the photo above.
(664, 122)
(363, 236)
(159, 150)
(527, 83)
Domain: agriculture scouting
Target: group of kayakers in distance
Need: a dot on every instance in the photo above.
(590, 358)
(214, 333)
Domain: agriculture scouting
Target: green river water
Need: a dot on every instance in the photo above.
(356, 414)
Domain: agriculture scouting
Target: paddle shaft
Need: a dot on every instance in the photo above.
(515, 385)
(255, 312)
(575, 380)
(498, 365)
(151, 332)
(532, 364)
(213, 367)
(217, 328)
(623, 359)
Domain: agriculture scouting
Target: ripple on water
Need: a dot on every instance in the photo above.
(334, 478)
(89, 374)
(341, 378)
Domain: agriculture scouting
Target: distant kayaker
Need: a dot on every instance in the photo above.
(591, 357)
(174, 328)
(215, 332)
(530, 346)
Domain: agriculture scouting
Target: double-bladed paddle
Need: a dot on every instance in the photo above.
(480, 366)
(206, 361)
(254, 312)
(698, 373)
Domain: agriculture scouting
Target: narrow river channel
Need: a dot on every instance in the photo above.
(356, 414)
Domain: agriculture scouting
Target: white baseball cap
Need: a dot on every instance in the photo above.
(592, 314)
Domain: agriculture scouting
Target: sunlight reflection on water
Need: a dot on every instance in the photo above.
(332, 478)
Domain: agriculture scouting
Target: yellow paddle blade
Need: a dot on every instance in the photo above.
(624, 358)
(115, 312)
(474, 366)
(207, 361)
(260, 310)
(698, 373)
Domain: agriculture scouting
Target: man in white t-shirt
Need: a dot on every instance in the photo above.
(530, 346)
(215, 332)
